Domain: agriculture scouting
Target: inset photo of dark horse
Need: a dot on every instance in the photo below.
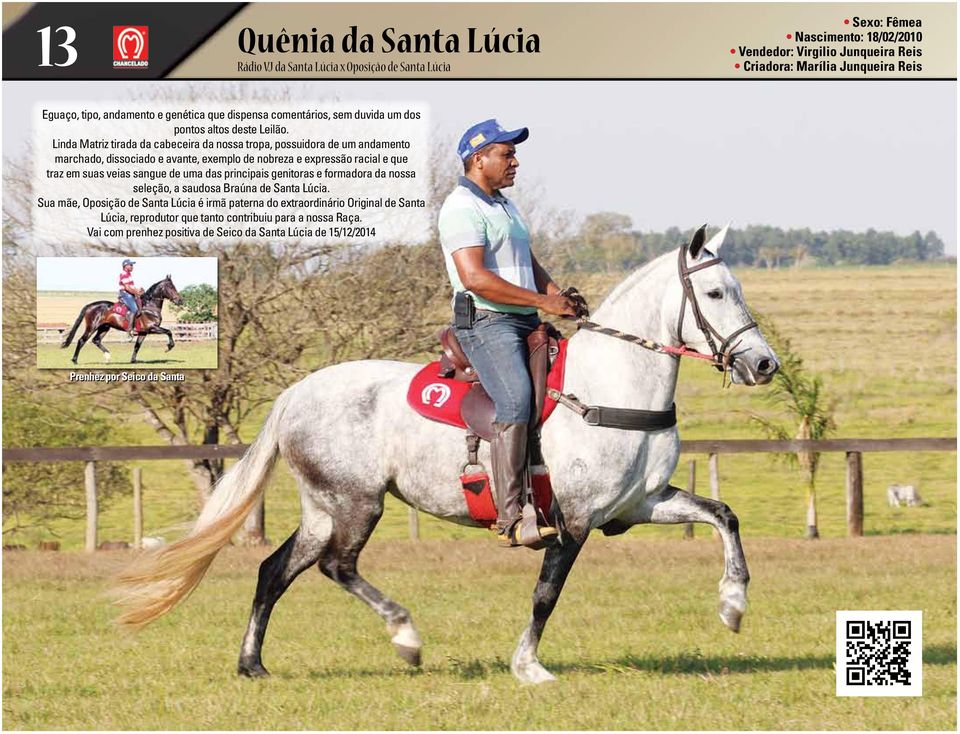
(118, 303)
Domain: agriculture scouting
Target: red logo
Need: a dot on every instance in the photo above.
(130, 46)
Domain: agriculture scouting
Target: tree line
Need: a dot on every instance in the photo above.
(607, 242)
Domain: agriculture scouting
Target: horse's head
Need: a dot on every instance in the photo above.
(169, 290)
(713, 316)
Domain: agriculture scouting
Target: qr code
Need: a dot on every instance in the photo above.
(879, 653)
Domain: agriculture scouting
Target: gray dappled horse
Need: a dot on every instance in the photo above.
(349, 437)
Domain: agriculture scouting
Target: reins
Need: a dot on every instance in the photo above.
(654, 420)
(681, 351)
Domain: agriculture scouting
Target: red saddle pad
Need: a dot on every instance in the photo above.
(438, 398)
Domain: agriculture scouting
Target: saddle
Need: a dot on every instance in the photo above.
(120, 308)
(450, 392)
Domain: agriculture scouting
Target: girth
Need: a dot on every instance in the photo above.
(626, 419)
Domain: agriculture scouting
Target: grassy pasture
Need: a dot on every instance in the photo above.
(635, 641)
(153, 355)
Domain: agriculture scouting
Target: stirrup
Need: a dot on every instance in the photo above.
(526, 532)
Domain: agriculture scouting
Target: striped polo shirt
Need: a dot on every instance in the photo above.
(470, 218)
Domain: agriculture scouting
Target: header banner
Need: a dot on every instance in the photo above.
(275, 41)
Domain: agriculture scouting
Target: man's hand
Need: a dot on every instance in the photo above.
(579, 302)
(559, 305)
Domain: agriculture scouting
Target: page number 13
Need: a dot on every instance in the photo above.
(71, 36)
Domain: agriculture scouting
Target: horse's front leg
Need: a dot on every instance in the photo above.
(672, 505)
(161, 330)
(557, 563)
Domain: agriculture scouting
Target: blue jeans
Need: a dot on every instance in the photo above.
(130, 302)
(496, 345)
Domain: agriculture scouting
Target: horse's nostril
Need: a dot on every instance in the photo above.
(764, 366)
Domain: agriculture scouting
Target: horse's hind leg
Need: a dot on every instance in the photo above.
(136, 347)
(300, 551)
(352, 526)
(99, 344)
(80, 342)
(557, 563)
(673, 505)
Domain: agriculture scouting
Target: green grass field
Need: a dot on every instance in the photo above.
(635, 638)
(635, 641)
(153, 356)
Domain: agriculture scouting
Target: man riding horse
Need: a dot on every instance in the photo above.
(128, 294)
(498, 287)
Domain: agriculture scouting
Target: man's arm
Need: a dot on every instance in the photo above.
(487, 284)
(545, 283)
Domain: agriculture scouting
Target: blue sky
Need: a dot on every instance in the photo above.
(102, 273)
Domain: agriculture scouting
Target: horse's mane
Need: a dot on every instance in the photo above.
(151, 291)
(628, 283)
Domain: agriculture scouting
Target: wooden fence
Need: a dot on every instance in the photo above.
(182, 332)
(854, 448)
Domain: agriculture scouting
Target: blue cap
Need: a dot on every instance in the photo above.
(128, 261)
(485, 133)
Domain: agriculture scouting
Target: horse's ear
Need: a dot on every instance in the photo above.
(716, 242)
(168, 276)
(696, 244)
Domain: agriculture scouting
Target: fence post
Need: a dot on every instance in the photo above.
(854, 494)
(692, 489)
(715, 476)
(413, 519)
(137, 508)
(90, 486)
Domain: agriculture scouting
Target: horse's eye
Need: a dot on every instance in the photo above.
(716, 294)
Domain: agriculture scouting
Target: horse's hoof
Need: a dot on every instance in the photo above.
(730, 616)
(410, 655)
(406, 642)
(253, 670)
(106, 357)
(733, 603)
(532, 673)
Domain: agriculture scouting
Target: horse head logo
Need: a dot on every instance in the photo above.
(441, 391)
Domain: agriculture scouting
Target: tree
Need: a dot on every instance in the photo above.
(800, 394)
(199, 304)
(36, 494)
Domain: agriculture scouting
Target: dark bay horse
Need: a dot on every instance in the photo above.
(99, 317)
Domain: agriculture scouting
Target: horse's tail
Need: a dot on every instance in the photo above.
(73, 330)
(159, 580)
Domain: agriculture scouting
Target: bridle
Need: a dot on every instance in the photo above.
(630, 419)
(724, 356)
(721, 358)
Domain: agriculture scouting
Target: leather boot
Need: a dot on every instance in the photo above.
(508, 456)
(132, 331)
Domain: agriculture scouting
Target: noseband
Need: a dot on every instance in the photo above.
(723, 357)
